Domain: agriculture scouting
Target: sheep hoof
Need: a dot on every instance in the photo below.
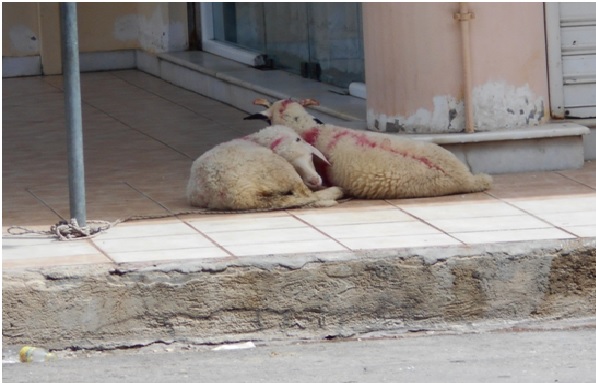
(331, 193)
(323, 203)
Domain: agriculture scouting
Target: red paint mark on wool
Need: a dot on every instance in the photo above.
(336, 137)
(362, 140)
(311, 135)
(283, 106)
(275, 143)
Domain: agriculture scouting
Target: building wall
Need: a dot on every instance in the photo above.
(414, 75)
(33, 29)
(20, 29)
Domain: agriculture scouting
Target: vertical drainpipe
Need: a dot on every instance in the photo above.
(464, 16)
(72, 108)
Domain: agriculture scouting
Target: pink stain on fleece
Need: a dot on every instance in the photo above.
(311, 135)
(283, 106)
(362, 140)
(275, 143)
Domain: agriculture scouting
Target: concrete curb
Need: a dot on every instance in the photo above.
(297, 296)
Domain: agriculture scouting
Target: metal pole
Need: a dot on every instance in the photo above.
(72, 107)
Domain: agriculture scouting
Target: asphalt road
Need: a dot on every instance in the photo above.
(536, 356)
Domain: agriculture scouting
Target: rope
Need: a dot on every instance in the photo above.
(68, 231)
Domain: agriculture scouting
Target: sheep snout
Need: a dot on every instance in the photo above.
(306, 169)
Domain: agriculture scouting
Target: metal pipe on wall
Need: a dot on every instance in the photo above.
(464, 16)
(72, 108)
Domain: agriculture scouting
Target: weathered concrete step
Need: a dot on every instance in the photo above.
(302, 296)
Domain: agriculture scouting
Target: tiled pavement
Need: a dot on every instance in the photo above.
(141, 135)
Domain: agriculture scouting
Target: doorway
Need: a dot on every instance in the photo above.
(322, 41)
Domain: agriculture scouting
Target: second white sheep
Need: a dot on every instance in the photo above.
(269, 169)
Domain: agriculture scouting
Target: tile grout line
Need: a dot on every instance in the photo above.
(213, 241)
(320, 231)
(148, 197)
(180, 219)
(105, 253)
(574, 180)
(45, 203)
(532, 215)
(83, 101)
(427, 223)
(167, 99)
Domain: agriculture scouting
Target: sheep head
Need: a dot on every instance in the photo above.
(284, 142)
(287, 112)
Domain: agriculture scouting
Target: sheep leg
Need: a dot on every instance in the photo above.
(328, 197)
(286, 201)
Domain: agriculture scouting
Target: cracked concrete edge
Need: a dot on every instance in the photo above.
(297, 296)
(429, 255)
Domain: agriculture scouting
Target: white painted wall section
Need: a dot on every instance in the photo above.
(497, 106)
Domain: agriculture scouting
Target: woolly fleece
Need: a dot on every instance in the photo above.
(373, 165)
(246, 173)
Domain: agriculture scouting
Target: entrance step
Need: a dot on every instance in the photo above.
(555, 146)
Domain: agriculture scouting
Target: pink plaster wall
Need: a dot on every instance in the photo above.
(508, 42)
(413, 53)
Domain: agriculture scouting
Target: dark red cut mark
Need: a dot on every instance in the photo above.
(322, 168)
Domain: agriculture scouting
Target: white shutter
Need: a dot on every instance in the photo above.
(577, 23)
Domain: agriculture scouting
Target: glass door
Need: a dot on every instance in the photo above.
(316, 40)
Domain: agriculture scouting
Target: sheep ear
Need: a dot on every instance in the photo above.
(318, 154)
(308, 102)
(258, 116)
(262, 102)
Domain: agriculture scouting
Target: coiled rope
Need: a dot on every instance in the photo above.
(70, 230)
(64, 230)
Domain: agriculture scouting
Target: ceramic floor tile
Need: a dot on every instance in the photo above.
(239, 222)
(557, 204)
(476, 224)
(310, 246)
(539, 190)
(180, 241)
(254, 237)
(359, 204)
(45, 261)
(135, 165)
(323, 218)
(511, 235)
(489, 208)
(17, 248)
(13, 241)
(399, 241)
(456, 199)
(147, 229)
(168, 255)
(568, 219)
(378, 229)
(582, 231)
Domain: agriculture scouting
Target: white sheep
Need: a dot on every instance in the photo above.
(260, 171)
(374, 165)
